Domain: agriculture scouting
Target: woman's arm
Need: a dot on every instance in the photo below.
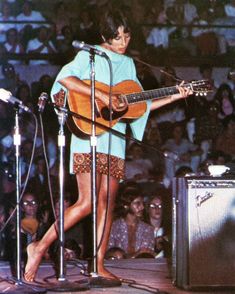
(73, 83)
(183, 93)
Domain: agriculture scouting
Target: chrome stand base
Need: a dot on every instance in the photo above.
(100, 282)
(66, 286)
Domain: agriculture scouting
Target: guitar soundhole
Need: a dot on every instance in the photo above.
(115, 115)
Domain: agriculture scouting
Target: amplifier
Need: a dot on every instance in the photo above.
(203, 232)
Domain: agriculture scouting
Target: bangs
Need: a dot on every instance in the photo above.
(111, 22)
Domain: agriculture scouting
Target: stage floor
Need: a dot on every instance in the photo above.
(141, 275)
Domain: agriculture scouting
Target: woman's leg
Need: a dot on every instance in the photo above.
(104, 220)
(72, 215)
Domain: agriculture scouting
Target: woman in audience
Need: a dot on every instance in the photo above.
(224, 98)
(158, 216)
(32, 227)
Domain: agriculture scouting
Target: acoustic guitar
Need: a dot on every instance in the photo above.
(128, 90)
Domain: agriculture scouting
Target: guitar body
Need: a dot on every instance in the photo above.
(81, 104)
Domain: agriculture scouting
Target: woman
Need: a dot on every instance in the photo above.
(115, 33)
(157, 217)
(225, 100)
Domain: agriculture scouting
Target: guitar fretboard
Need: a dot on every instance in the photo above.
(152, 94)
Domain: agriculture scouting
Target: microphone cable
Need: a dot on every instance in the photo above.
(28, 172)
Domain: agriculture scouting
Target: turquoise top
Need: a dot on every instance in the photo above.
(123, 69)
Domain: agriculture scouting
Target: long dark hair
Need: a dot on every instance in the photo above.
(110, 22)
(218, 96)
(127, 193)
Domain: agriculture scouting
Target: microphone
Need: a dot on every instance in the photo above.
(8, 98)
(89, 48)
(42, 101)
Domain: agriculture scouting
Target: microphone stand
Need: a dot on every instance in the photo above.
(20, 286)
(93, 141)
(63, 284)
(96, 281)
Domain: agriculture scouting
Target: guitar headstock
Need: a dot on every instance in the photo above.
(201, 87)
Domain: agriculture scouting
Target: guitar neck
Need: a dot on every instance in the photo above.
(152, 94)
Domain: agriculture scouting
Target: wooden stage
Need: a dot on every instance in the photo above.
(141, 276)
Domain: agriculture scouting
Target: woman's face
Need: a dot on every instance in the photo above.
(30, 205)
(155, 208)
(120, 43)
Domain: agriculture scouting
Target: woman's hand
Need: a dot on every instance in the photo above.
(183, 92)
(118, 101)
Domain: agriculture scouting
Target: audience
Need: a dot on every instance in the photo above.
(29, 20)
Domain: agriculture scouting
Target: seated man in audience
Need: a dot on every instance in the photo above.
(41, 44)
(129, 233)
(180, 151)
(12, 45)
(138, 168)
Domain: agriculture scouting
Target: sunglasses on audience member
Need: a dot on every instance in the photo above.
(155, 206)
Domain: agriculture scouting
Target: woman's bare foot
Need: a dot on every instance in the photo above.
(34, 259)
(106, 274)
